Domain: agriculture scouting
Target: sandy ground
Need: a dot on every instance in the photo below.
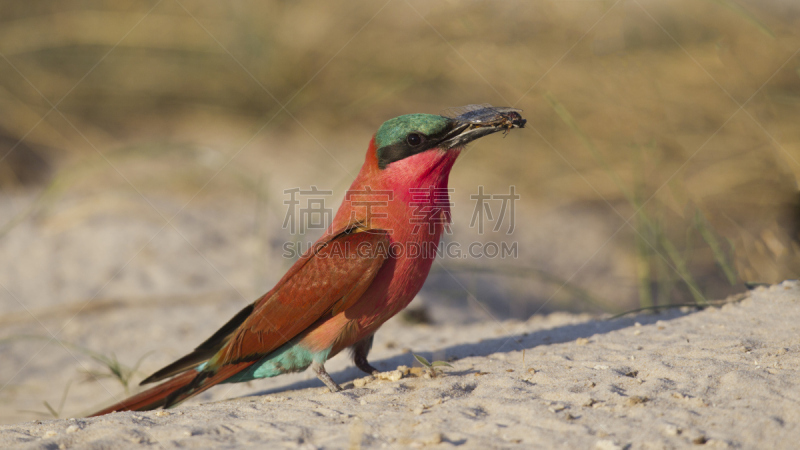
(721, 377)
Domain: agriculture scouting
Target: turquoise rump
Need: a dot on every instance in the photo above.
(291, 357)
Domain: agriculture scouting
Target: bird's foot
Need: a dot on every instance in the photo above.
(323, 375)
(364, 366)
(360, 352)
(360, 359)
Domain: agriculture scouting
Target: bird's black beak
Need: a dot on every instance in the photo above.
(473, 123)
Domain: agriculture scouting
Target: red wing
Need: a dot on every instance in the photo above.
(321, 281)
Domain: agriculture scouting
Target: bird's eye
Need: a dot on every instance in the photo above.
(414, 139)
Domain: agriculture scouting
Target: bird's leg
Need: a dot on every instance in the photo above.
(360, 351)
(322, 374)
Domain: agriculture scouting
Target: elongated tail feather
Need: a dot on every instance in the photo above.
(176, 390)
(204, 351)
(152, 398)
(203, 381)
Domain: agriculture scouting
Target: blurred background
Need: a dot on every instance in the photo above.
(145, 147)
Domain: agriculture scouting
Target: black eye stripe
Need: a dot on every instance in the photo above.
(413, 143)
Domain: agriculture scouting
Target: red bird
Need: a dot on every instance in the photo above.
(368, 266)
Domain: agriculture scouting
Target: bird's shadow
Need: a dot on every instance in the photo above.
(517, 342)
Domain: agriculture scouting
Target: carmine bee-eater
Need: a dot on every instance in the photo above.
(369, 265)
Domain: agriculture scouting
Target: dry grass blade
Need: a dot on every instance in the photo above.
(739, 10)
(719, 254)
(116, 369)
(645, 225)
(55, 412)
